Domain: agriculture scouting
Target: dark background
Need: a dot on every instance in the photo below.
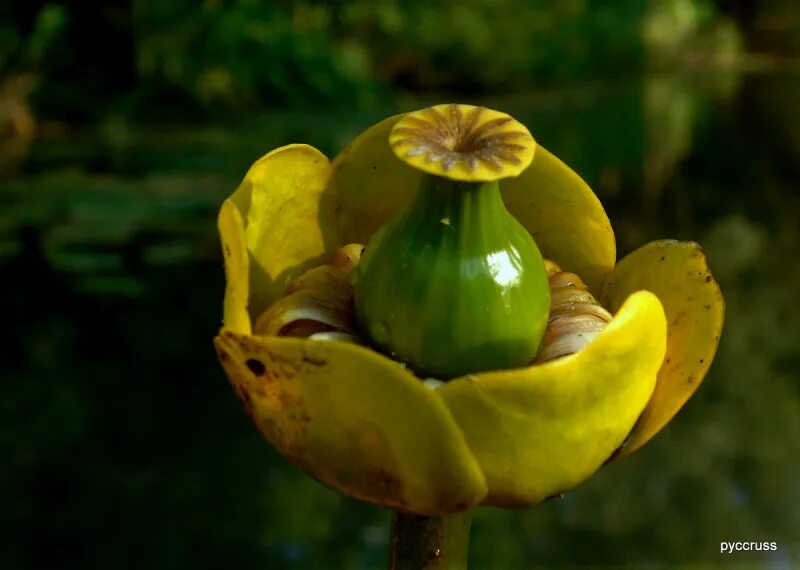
(124, 124)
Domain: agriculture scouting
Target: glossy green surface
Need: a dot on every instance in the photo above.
(454, 284)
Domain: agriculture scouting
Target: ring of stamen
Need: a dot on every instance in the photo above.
(463, 142)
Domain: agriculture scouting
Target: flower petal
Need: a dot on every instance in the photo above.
(290, 218)
(354, 420)
(539, 431)
(231, 233)
(371, 182)
(678, 273)
(564, 217)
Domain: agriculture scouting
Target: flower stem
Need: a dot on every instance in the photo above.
(430, 543)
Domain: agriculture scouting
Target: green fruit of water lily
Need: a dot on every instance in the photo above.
(454, 284)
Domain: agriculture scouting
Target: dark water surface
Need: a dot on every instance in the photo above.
(123, 446)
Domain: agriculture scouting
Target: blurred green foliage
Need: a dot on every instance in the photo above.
(185, 58)
(241, 52)
(20, 51)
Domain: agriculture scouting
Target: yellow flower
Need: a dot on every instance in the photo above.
(367, 426)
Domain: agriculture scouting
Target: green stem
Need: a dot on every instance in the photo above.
(430, 543)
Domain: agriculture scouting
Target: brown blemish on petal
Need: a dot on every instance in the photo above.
(246, 399)
(255, 366)
(386, 482)
(223, 356)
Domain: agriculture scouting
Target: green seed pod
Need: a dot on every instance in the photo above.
(455, 284)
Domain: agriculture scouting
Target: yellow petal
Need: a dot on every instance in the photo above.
(539, 431)
(290, 219)
(231, 233)
(678, 273)
(564, 217)
(371, 182)
(354, 420)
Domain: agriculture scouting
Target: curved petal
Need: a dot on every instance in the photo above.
(354, 420)
(539, 431)
(289, 214)
(237, 284)
(371, 182)
(564, 217)
(678, 273)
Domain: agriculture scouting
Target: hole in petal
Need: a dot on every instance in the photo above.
(256, 366)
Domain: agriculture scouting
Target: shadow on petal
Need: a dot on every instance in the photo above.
(564, 216)
(237, 279)
(371, 183)
(289, 219)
